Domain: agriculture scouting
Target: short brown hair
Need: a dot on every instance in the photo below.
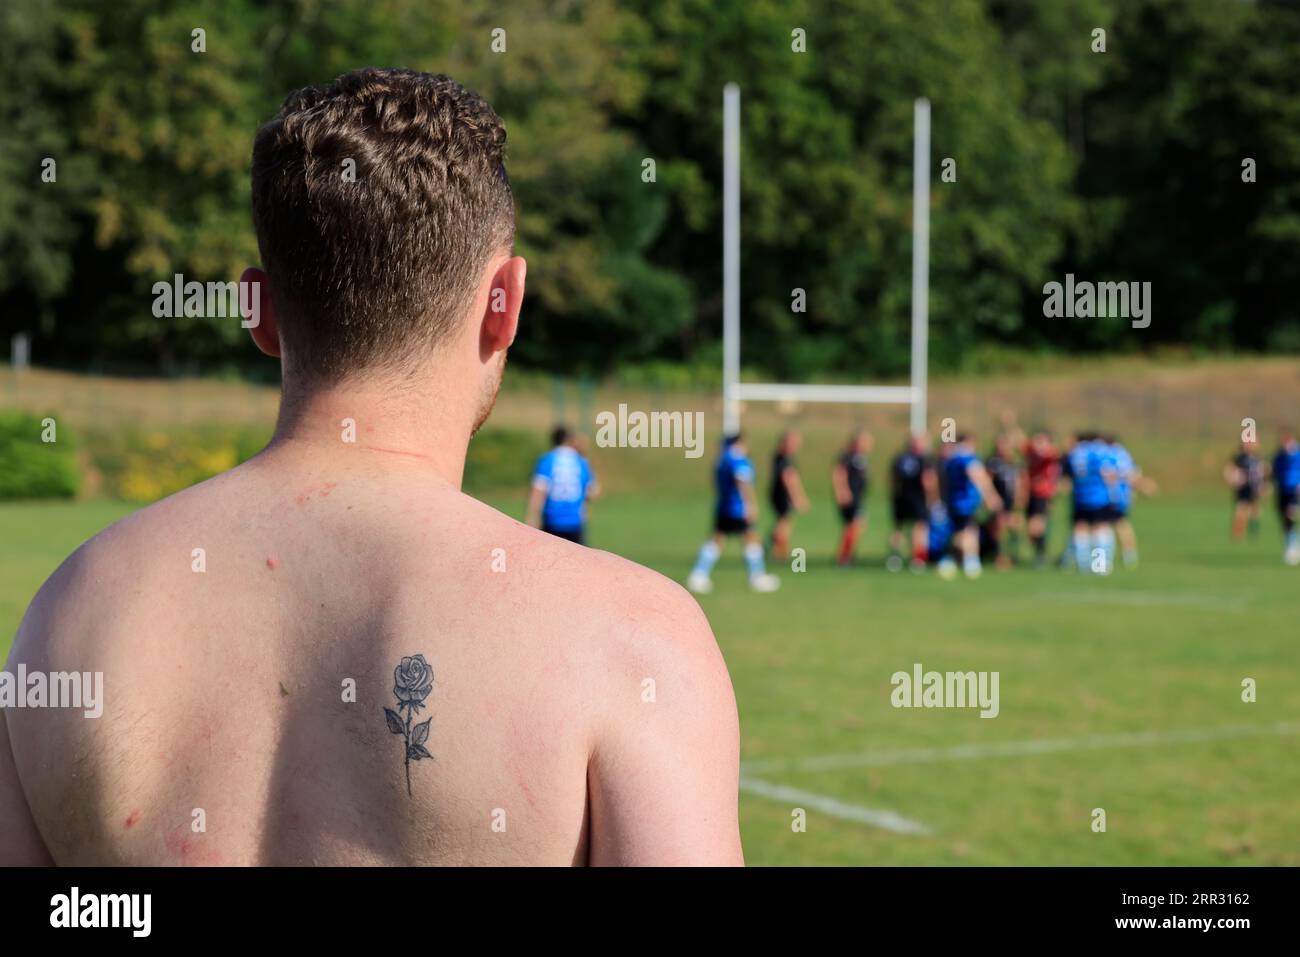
(373, 271)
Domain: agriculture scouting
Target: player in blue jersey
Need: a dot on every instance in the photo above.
(1090, 466)
(938, 529)
(563, 483)
(1128, 481)
(734, 513)
(1286, 480)
(967, 486)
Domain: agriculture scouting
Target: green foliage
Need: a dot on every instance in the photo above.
(502, 459)
(1121, 165)
(31, 467)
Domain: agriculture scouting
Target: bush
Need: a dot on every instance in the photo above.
(144, 465)
(31, 467)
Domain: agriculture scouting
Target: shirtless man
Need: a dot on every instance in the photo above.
(516, 699)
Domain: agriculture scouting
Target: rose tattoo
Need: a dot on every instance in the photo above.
(412, 682)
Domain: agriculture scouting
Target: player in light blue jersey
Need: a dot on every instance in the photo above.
(1129, 480)
(1090, 466)
(563, 483)
(1286, 480)
(734, 513)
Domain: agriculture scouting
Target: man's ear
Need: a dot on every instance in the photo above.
(259, 313)
(501, 314)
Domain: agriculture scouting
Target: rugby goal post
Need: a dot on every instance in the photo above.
(734, 392)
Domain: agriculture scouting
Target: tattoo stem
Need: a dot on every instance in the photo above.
(409, 709)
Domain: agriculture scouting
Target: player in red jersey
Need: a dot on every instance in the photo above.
(1043, 465)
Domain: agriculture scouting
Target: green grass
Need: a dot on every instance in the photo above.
(1161, 648)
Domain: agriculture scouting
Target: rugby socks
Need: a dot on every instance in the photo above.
(1130, 558)
(1082, 557)
(707, 558)
(1104, 539)
(780, 544)
(1040, 547)
(753, 560)
(848, 541)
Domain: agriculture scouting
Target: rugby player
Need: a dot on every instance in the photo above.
(968, 486)
(1285, 475)
(1128, 480)
(562, 485)
(734, 512)
(849, 478)
(786, 494)
(914, 490)
(1043, 471)
(1244, 474)
(1091, 472)
(1004, 472)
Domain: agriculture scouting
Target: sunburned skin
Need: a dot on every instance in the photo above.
(227, 690)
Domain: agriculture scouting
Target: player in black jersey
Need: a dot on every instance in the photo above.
(849, 478)
(1245, 476)
(786, 494)
(1005, 524)
(913, 489)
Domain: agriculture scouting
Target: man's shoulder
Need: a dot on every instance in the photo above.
(120, 561)
(593, 593)
(602, 576)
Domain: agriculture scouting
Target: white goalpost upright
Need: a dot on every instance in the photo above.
(734, 392)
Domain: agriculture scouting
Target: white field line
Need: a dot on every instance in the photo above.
(867, 759)
(1143, 599)
(833, 806)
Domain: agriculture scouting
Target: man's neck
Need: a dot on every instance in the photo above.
(404, 426)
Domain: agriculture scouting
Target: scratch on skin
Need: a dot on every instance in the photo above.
(272, 562)
(528, 793)
(132, 818)
(414, 455)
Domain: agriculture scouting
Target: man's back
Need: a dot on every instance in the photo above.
(245, 685)
(330, 655)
